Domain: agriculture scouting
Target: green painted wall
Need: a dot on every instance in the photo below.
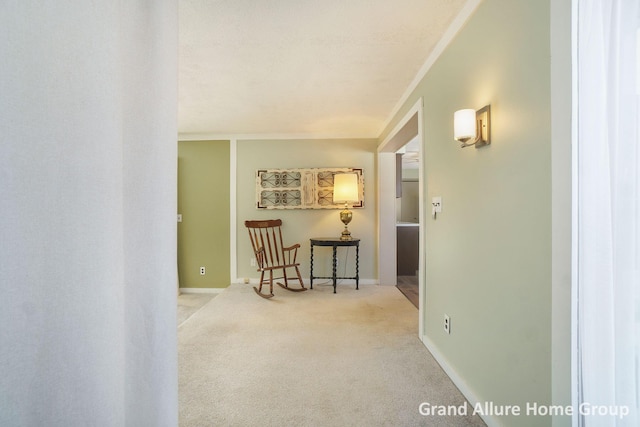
(300, 225)
(203, 201)
(488, 254)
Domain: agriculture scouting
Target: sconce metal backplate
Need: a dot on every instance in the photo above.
(483, 118)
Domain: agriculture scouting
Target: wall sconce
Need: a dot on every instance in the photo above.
(472, 127)
(345, 189)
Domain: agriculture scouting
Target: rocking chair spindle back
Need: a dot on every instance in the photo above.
(271, 254)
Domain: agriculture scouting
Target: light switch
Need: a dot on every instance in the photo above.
(436, 202)
(436, 206)
(179, 217)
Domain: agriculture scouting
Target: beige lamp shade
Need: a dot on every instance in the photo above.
(345, 188)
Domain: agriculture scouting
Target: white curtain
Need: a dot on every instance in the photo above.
(607, 220)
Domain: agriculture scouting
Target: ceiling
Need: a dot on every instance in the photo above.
(321, 68)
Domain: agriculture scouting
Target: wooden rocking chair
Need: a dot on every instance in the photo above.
(266, 240)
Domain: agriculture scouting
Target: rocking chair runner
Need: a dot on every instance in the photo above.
(271, 254)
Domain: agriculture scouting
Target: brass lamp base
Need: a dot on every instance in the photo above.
(345, 217)
(346, 234)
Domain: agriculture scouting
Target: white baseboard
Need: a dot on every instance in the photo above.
(201, 290)
(459, 382)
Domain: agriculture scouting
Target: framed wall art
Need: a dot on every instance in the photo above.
(310, 188)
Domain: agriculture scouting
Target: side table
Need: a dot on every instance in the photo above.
(334, 242)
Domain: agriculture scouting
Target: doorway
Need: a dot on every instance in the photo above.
(408, 132)
(408, 219)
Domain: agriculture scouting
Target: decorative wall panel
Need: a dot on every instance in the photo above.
(301, 188)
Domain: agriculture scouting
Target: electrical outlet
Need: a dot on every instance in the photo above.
(253, 262)
(202, 271)
(447, 324)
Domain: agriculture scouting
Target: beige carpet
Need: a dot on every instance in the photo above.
(188, 304)
(309, 359)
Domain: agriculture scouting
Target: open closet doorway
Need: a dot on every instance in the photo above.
(406, 139)
(408, 219)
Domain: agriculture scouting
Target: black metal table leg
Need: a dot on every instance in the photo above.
(335, 269)
(357, 266)
(311, 268)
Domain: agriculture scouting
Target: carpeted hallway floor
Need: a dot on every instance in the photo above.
(188, 304)
(309, 359)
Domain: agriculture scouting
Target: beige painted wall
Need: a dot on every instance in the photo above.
(203, 201)
(488, 254)
(561, 202)
(301, 225)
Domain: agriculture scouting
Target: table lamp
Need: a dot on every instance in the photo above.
(345, 189)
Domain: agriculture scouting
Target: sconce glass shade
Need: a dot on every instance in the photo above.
(471, 127)
(464, 125)
(345, 188)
